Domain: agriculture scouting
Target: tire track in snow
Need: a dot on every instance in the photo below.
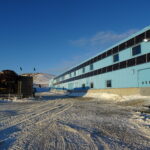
(34, 111)
(34, 124)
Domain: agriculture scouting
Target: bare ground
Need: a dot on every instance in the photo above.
(62, 123)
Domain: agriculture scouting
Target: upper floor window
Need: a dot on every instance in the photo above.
(136, 50)
(91, 66)
(70, 75)
(75, 73)
(83, 70)
(115, 57)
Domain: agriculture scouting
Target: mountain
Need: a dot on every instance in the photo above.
(40, 78)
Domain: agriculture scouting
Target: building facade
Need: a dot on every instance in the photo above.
(124, 65)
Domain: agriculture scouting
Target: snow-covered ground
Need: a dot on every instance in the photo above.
(56, 121)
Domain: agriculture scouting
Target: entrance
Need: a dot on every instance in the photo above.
(144, 77)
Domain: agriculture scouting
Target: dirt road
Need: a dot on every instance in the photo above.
(62, 123)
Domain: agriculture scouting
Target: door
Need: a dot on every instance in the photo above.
(144, 77)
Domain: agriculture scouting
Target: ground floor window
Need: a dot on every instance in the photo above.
(92, 85)
(108, 83)
(83, 85)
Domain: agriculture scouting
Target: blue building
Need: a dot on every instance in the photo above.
(125, 65)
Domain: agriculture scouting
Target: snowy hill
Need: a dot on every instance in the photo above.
(40, 78)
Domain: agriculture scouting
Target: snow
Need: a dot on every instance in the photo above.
(104, 96)
(57, 121)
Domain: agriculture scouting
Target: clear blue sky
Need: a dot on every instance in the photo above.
(53, 35)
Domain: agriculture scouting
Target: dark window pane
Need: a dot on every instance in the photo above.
(139, 38)
(131, 62)
(99, 71)
(122, 46)
(115, 50)
(123, 64)
(116, 66)
(99, 57)
(109, 68)
(95, 72)
(148, 57)
(108, 83)
(104, 55)
(116, 57)
(136, 50)
(148, 34)
(91, 66)
(130, 43)
(95, 59)
(83, 86)
(109, 52)
(92, 73)
(92, 85)
(90, 61)
(104, 69)
(86, 63)
(141, 59)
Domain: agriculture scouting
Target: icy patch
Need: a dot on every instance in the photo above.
(100, 96)
(110, 96)
(134, 97)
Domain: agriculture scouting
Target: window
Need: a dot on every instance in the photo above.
(91, 66)
(75, 73)
(83, 86)
(131, 62)
(104, 69)
(148, 57)
(123, 64)
(141, 59)
(92, 85)
(148, 34)
(115, 50)
(70, 75)
(94, 59)
(95, 72)
(103, 55)
(115, 57)
(108, 83)
(136, 50)
(109, 68)
(83, 70)
(122, 46)
(130, 42)
(99, 57)
(116, 66)
(99, 71)
(139, 38)
(109, 52)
